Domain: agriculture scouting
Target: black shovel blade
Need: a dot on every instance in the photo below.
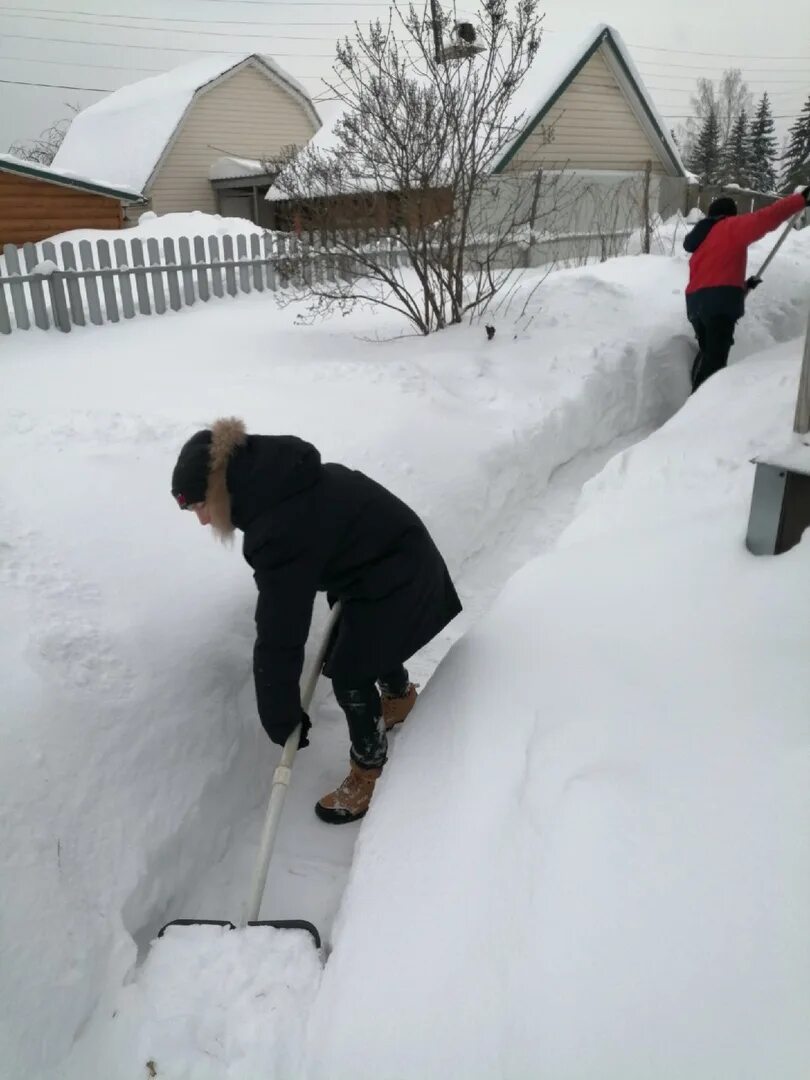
(293, 924)
(277, 924)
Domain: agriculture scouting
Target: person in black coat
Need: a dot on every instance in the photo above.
(312, 527)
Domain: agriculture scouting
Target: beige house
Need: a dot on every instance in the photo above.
(585, 107)
(175, 138)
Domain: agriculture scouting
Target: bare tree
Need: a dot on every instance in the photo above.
(414, 151)
(724, 100)
(42, 150)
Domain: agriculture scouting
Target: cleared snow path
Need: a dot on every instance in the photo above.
(312, 860)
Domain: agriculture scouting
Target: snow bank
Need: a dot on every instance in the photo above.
(173, 226)
(589, 855)
(132, 756)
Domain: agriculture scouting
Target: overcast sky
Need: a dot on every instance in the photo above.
(95, 44)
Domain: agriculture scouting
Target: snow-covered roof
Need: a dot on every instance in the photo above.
(63, 177)
(558, 60)
(123, 136)
(236, 168)
(324, 139)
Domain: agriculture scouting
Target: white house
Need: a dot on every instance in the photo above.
(165, 137)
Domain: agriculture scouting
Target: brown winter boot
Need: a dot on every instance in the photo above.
(395, 709)
(350, 801)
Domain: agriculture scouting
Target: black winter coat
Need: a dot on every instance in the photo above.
(311, 527)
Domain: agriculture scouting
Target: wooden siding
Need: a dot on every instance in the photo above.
(32, 210)
(376, 211)
(245, 115)
(593, 127)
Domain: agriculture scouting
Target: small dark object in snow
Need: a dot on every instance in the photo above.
(151, 1068)
(490, 332)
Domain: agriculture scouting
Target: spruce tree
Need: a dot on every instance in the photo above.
(734, 165)
(764, 148)
(705, 158)
(796, 159)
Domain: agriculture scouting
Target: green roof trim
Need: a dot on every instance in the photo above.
(604, 38)
(53, 176)
(552, 101)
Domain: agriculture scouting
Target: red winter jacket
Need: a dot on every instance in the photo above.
(720, 259)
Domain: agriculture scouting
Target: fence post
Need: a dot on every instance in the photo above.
(255, 255)
(56, 289)
(244, 269)
(203, 291)
(141, 287)
(216, 271)
(107, 280)
(185, 265)
(124, 282)
(269, 261)
(19, 300)
(647, 244)
(227, 258)
(172, 280)
(5, 318)
(158, 291)
(73, 286)
(90, 283)
(801, 422)
(36, 288)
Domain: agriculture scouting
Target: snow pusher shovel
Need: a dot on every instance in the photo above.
(278, 791)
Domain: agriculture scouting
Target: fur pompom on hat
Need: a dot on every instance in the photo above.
(201, 472)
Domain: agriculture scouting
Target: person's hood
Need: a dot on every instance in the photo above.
(268, 470)
(696, 236)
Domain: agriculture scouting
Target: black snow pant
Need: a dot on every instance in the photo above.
(363, 710)
(715, 336)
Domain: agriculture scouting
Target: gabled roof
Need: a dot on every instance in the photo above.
(48, 173)
(559, 60)
(124, 136)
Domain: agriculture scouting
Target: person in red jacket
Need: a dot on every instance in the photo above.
(715, 295)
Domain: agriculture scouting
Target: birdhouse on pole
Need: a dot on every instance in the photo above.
(462, 44)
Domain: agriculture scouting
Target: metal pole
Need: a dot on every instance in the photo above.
(437, 31)
(281, 781)
(801, 423)
(778, 244)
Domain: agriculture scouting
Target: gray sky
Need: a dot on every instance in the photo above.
(101, 46)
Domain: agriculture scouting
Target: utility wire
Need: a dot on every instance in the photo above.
(58, 86)
(81, 63)
(172, 30)
(165, 18)
(161, 48)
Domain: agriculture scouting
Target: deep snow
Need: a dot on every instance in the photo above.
(615, 765)
(133, 759)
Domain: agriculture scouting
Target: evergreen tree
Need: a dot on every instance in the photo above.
(764, 148)
(704, 160)
(796, 159)
(736, 154)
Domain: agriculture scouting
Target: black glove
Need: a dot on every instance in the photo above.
(305, 726)
(806, 194)
(752, 282)
(279, 735)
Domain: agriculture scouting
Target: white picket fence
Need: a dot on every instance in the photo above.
(101, 282)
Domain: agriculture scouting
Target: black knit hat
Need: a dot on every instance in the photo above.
(190, 476)
(723, 207)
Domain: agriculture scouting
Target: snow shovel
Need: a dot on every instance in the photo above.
(278, 791)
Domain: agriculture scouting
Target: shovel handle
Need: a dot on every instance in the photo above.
(778, 244)
(281, 781)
